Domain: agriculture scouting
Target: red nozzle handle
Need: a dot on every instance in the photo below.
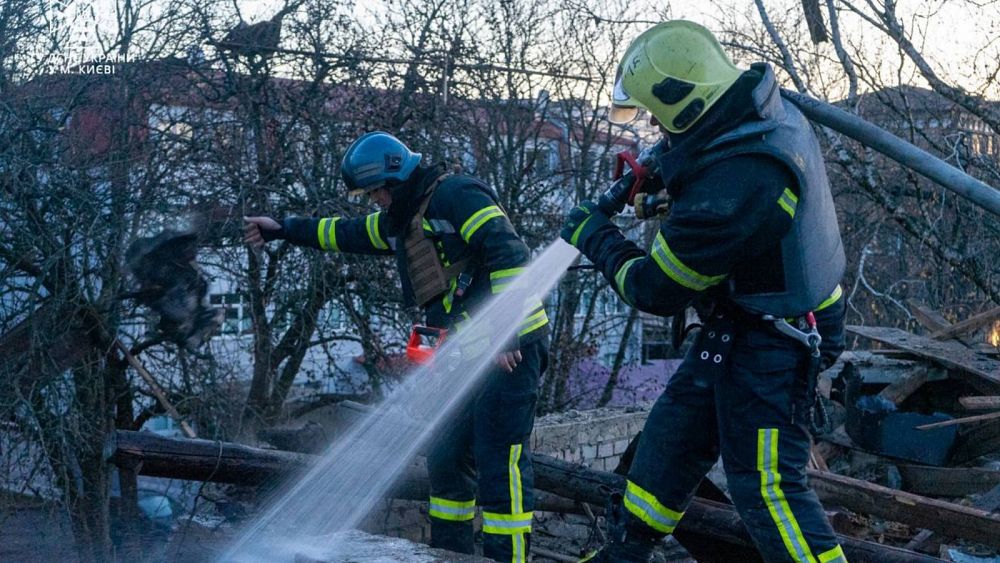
(639, 172)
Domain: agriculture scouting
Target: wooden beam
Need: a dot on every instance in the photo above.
(980, 372)
(907, 508)
(980, 440)
(932, 320)
(712, 525)
(968, 325)
(947, 481)
(989, 502)
(899, 390)
(928, 317)
(981, 403)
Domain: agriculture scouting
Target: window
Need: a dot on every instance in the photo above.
(655, 339)
(332, 317)
(458, 151)
(541, 160)
(237, 312)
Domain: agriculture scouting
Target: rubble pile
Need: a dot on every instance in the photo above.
(908, 468)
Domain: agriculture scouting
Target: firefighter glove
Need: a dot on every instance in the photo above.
(581, 222)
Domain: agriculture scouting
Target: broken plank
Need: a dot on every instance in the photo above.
(907, 508)
(980, 403)
(932, 320)
(947, 481)
(968, 325)
(816, 459)
(989, 502)
(980, 440)
(980, 372)
(964, 420)
(928, 317)
(899, 390)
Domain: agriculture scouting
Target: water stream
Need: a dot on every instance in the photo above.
(357, 470)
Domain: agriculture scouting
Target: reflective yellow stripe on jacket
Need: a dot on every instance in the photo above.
(620, 278)
(835, 555)
(536, 319)
(677, 270)
(371, 224)
(478, 219)
(501, 279)
(838, 292)
(327, 233)
(788, 201)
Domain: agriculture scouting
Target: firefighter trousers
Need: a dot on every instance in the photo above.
(740, 392)
(483, 455)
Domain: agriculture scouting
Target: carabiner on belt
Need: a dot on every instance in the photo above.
(810, 339)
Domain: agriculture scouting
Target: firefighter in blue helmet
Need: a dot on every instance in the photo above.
(454, 247)
(752, 239)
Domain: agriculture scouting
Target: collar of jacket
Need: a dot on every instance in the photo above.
(768, 109)
(406, 197)
(748, 100)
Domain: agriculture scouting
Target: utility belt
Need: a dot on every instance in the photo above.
(725, 320)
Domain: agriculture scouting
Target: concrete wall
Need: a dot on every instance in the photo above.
(595, 438)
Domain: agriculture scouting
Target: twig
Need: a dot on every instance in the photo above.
(954, 421)
(156, 389)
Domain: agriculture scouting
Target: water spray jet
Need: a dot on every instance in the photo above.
(357, 470)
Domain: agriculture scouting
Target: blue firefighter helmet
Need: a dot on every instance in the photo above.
(376, 159)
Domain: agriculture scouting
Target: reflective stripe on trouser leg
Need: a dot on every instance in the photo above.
(504, 416)
(516, 526)
(518, 522)
(835, 555)
(644, 506)
(778, 507)
(454, 510)
(678, 445)
(452, 474)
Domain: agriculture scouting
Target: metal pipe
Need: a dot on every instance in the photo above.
(908, 155)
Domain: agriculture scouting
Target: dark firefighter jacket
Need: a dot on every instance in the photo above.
(465, 221)
(724, 234)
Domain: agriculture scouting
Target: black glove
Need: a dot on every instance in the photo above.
(581, 222)
(276, 234)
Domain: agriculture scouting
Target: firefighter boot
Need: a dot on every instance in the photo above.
(453, 536)
(629, 541)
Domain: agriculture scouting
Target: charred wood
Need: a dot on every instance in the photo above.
(710, 529)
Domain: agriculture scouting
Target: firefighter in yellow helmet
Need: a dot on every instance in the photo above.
(752, 239)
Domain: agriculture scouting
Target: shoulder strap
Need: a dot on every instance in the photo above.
(418, 218)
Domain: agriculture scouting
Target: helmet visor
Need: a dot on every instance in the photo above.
(623, 108)
(620, 115)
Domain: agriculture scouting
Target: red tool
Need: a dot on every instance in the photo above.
(424, 341)
(639, 173)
